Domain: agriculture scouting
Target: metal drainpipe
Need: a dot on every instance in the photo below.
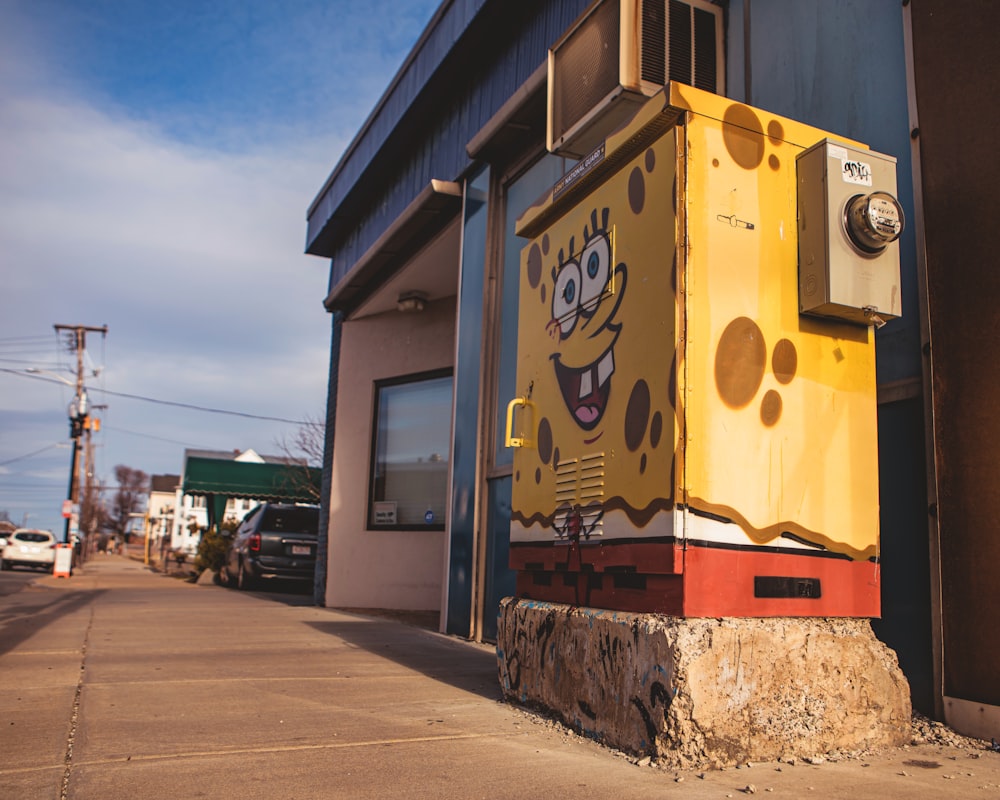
(319, 577)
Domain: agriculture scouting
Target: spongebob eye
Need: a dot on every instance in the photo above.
(596, 262)
(566, 298)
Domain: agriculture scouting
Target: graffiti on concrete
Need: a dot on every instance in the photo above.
(591, 668)
(703, 690)
(658, 696)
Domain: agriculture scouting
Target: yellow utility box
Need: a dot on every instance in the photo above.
(687, 440)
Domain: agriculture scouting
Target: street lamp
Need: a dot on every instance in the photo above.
(48, 374)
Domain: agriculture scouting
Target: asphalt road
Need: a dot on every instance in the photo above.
(14, 580)
(119, 684)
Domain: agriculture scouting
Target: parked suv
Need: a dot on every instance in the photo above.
(29, 548)
(275, 540)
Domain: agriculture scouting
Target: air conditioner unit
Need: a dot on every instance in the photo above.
(618, 53)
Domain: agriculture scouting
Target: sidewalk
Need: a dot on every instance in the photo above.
(124, 683)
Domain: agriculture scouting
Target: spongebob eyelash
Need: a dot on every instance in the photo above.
(605, 216)
(589, 233)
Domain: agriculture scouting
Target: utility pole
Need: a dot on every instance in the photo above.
(78, 415)
(88, 501)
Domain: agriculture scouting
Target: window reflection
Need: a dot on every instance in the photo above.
(410, 461)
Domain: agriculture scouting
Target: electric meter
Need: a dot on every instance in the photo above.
(873, 221)
(849, 221)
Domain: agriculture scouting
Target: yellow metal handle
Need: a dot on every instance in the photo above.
(512, 440)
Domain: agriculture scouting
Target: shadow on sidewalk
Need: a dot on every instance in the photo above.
(21, 621)
(289, 592)
(463, 665)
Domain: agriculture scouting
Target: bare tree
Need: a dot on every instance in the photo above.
(93, 512)
(302, 451)
(307, 442)
(133, 488)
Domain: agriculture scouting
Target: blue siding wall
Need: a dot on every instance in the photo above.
(437, 41)
(387, 169)
(840, 66)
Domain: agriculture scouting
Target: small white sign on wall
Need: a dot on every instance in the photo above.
(385, 512)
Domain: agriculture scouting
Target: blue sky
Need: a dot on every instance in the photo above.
(156, 164)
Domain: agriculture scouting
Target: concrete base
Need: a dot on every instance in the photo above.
(705, 691)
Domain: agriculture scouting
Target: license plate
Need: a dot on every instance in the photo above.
(301, 549)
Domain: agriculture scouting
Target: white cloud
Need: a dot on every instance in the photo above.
(156, 164)
(79, 185)
(191, 256)
(109, 213)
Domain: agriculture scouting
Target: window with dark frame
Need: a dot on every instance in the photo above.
(411, 436)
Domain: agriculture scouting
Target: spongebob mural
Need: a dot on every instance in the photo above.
(687, 441)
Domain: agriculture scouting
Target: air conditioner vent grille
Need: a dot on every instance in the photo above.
(620, 52)
(705, 57)
(680, 42)
(654, 42)
(586, 67)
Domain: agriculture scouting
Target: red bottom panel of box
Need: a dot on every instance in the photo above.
(707, 581)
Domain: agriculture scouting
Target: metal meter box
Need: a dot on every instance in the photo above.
(848, 221)
(685, 442)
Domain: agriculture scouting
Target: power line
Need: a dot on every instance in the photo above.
(157, 401)
(43, 378)
(200, 408)
(29, 455)
(116, 429)
(33, 362)
(38, 338)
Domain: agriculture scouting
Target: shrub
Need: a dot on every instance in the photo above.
(212, 547)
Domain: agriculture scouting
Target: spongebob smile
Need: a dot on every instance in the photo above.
(586, 390)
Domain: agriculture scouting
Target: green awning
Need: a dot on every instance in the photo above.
(291, 483)
(218, 479)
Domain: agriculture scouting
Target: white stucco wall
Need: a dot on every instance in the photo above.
(381, 569)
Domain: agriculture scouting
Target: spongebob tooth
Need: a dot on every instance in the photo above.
(586, 383)
(605, 368)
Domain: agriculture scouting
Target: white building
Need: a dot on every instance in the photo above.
(191, 517)
(160, 510)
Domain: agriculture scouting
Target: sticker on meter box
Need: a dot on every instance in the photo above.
(857, 172)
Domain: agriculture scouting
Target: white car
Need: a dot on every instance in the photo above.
(30, 548)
